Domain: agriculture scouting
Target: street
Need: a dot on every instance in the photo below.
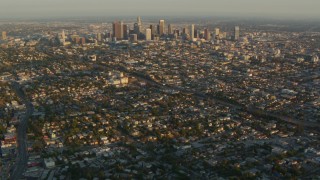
(22, 156)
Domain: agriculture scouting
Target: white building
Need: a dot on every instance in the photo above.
(192, 32)
(148, 34)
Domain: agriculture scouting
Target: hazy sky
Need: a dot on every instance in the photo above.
(73, 8)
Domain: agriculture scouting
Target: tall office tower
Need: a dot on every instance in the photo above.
(63, 35)
(4, 35)
(170, 29)
(224, 35)
(175, 35)
(192, 32)
(236, 32)
(158, 29)
(99, 37)
(148, 34)
(196, 33)
(153, 30)
(125, 31)
(207, 35)
(136, 28)
(118, 30)
(161, 27)
(121, 30)
(176, 31)
(139, 23)
(216, 31)
(185, 31)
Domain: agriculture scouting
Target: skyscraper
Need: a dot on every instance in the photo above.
(153, 30)
(158, 29)
(170, 29)
(99, 37)
(236, 33)
(121, 30)
(216, 32)
(196, 33)
(139, 23)
(125, 31)
(161, 27)
(118, 29)
(148, 34)
(185, 31)
(62, 37)
(4, 35)
(192, 32)
(136, 28)
(207, 34)
(176, 31)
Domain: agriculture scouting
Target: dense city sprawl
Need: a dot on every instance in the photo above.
(141, 101)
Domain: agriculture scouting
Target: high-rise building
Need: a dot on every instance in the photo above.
(139, 23)
(207, 35)
(196, 33)
(192, 32)
(185, 31)
(216, 31)
(99, 37)
(161, 27)
(176, 31)
(158, 29)
(236, 32)
(148, 34)
(224, 35)
(121, 30)
(63, 35)
(170, 29)
(118, 30)
(136, 28)
(4, 35)
(125, 31)
(153, 30)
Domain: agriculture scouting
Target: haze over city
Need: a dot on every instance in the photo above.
(288, 9)
(166, 89)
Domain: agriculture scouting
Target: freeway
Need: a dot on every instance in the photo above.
(22, 156)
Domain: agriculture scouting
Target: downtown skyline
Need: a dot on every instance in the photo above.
(170, 89)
